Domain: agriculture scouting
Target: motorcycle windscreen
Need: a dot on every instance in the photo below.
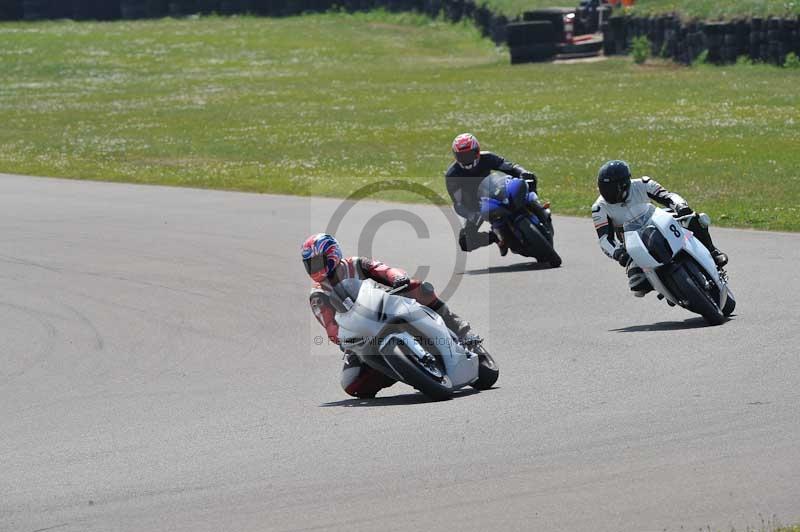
(494, 186)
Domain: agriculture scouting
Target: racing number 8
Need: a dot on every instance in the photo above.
(674, 230)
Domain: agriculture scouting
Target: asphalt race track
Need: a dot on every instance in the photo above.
(158, 372)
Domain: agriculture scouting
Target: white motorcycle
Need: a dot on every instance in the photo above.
(678, 266)
(407, 341)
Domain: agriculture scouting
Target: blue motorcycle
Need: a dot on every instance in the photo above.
(517, 218)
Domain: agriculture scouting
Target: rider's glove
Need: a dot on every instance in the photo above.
(621, 256)
(400, 280)
(530, 177)
(683, 210)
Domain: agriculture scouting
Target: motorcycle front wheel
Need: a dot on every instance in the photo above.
(428, 376)
(488, 372)
(537, 244)
(699, 299)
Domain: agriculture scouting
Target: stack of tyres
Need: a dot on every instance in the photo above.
(756, 27)
(714, 32)
(670, 38)
(531, 41)
(179, 8)
(796, 37)
(231, 7)
(658, 26)
(615, 42)
(35, 9)
(788, 29)
(499, 29)
(609, 43)
(772, 40)
(156, 8)
(483, 18)
(10, 10)
(454, 10)
(82, 9)
(730, 46)
(104, 9)
(696, 41)
(208, 6)
(742, 38)
(133, 9)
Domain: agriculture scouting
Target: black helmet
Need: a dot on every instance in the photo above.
(614, 180)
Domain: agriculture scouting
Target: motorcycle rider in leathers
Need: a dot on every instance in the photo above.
(324, 263)
(464, 176)
(621, 200)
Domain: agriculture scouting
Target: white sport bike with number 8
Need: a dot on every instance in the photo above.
(679, 267)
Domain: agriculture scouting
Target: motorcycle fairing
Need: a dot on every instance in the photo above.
(374, 309)
(679, 239)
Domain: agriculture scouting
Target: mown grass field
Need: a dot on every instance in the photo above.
(323, 104)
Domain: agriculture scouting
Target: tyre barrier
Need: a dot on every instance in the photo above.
(10, 10)
(536, 32)
(533, 53)
(530, 42)
(36, 9)
(133, 9)
(767, 40)
(181, 8)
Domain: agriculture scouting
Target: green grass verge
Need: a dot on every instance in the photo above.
(713, 9)
(323, 104)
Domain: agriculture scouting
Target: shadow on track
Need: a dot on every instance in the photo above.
(519, 267)
(691, 323)
(395, 400)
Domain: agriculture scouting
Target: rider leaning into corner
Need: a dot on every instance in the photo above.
(324, 263)
(623, 199)
(464, 176)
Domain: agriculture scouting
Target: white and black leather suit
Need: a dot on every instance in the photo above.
(609, 219)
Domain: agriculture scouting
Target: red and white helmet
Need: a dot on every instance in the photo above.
(466, 150)
(321, 255)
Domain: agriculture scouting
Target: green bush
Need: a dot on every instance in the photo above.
(640, 49)
(744, 60)
(792, 61)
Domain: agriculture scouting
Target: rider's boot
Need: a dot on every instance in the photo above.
(701, 233)
(453, 321)
(720, 258)
(500, 244)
